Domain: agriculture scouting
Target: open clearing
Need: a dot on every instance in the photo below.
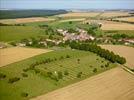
(79, 14)
(25, 20)
(14, 54)
(115, 84)
(114, 14)
(37, 83)
(127, 52)
(110, 25)
(129, 19)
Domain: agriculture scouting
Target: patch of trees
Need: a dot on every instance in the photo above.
(121, 36)
(99, 51)
(5, 14)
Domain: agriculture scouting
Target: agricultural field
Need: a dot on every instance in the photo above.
(114, 14)
(110, 25)
(69, 66)
(25, 20)
(128, 19)
(127, 52)
(110, 85)
(79, 14)
(15, 54)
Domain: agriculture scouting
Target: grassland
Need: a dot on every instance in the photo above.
(110, 85)
(127, 52)
(128, 19)
(36, 83)
(14, 54)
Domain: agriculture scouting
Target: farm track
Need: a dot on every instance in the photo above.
(114, 84)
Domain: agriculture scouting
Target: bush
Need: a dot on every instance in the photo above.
(95, 70)
(14, 79)
(60, 75)
(24, 75)
(49, 74)
(67, 56)
(24, 94)
(79, 75)
(102, 66)
(2, 76)
(66, 72)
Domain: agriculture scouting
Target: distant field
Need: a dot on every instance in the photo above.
(110, 25)
(129, 19)
(114, 14)
(110, 85)
(14, 54)
(79, 14)
(76, 19)
(37, 83)
(127, 52)
(13, 33)
(25, 20)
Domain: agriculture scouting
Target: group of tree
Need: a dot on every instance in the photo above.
(99, 51)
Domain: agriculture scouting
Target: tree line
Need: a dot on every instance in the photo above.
(99, 51)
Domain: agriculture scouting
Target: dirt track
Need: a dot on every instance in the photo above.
(115, 84)
(127, 52)
(14, 54)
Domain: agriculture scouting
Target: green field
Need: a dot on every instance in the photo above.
(38, 83)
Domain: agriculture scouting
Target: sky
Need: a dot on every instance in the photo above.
(66, 4)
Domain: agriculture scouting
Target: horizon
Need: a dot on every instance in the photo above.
(67, 4)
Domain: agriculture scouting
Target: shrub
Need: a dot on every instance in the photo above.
(95, 70)
(60, 75)
(49, 74)
(67, 56)
(24, 75)
(2, 76)
(79, 75)
(14, 79)
(66, 72)
(24, 94)
(102, 66)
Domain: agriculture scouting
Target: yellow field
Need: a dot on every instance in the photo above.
(129, 19)
(14, 54)
(110, 25)
(79, 14)
(114, 84)
(127, 52)
(114, 14)
(25, 20)
(76, 19)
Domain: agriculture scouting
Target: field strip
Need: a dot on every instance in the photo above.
(127, 52)
(114, 84)
(14, 54)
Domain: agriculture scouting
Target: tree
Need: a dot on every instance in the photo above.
(95, 70)
(79, 75)
(78, 60)
(60, 75)
(66, 72)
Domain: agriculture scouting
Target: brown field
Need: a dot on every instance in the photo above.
(14, 54)
(110, 25)
(114, 14)
(114, 84)
(79, 14)
(127, 52)
(129, 19)
(25, 20)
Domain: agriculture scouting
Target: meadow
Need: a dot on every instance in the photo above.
(74, 65)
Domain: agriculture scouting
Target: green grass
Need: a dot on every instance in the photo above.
(37, 84)
(13, 33)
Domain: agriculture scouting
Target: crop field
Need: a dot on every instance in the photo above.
(14, 54)
(110, 85)
(76, 19)
(127, 52)
(10, 33)
(25, 20)
(129, 19)
(110, 25)
(114, 14)
(79, 14)
(74, 65)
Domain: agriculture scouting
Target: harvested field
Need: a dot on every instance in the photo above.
(14, 54)
(127, 52)
(129, 19)
(114, 14)
(99, 87)
(79, 14)
(25, 20)
(110, 25)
